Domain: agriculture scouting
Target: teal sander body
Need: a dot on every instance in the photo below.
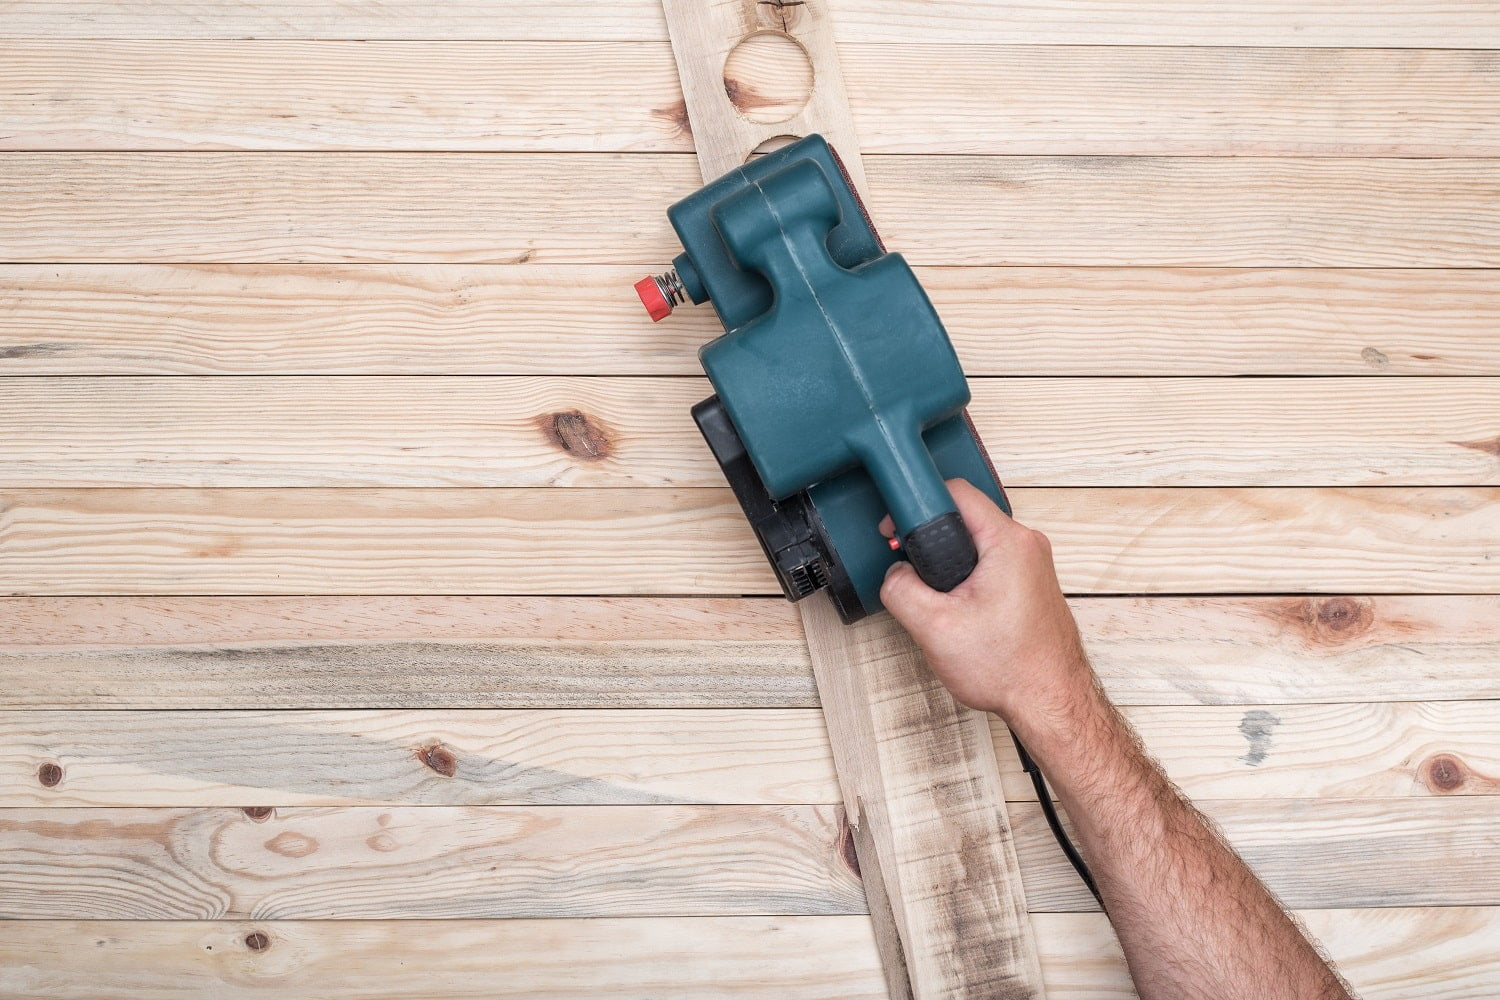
(838, 396)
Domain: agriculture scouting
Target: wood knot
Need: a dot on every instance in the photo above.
(1490, 446)
(783, 15)
(1444, 773)
(676, 116)
(257, 813)
(1333, 619)
(257, 941)
(49, 774)
(576, 434)
(292, 845)
(439, 758)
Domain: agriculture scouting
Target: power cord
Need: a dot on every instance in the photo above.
(1044, 796)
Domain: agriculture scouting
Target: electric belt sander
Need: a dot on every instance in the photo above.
(839, 397)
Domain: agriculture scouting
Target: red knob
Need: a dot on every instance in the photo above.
(657, 304)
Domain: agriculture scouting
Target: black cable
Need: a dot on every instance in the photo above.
(1039, 782)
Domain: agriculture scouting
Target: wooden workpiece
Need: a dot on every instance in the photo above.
(373, 623)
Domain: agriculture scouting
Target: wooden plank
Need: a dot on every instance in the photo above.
(577, 757)
(476, 319)
(556, 652)
(925, 809)
(905, 98)
(926, 813)
(1457, 24)
(424, 861)
(752, 72)
(1445, 953)
(662, 860)
(695, 541)
(604, 431)
(698, 756)
(501, 207)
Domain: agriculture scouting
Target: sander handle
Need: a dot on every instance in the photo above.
(942, 551)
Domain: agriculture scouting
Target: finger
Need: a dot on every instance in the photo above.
(983, 517)
(905, 596)
(888, 527)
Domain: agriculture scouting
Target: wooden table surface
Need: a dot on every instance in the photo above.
(377, 626)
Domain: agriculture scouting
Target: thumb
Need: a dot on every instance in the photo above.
(906, 597)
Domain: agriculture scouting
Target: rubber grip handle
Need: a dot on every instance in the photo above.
(942, 551)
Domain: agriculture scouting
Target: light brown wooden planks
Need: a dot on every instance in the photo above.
(457, 207)
(436, 431)
(500, 861)
(540, 652)
(695, 542)
(702, 756)
(1459, 24)
(476, 319)
(906, 98)
(1441, 953)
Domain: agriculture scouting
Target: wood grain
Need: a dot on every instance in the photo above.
(555, 652)
(540, 541)
(926, 816)
(699, 756)
(604, 431)
(625, 860)
(435, 861)
(1458, 24)
(904, 98)
(1442, 953)
(477, 319)
(500, 207)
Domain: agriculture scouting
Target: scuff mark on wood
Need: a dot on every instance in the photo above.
(577, 434)
(1257, 726)
(33, 350)
(1375, 358)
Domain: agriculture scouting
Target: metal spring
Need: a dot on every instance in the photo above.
(671, 287)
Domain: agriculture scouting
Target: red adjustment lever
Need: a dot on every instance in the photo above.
(660, 294)
(657, 304)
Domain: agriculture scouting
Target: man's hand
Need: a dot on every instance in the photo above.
(1193, 921)
(1003, 640)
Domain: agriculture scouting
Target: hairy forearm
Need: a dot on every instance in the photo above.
(1192, 919)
